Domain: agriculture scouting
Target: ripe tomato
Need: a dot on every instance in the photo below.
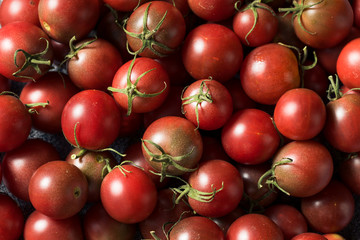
(207, 104)
(94, 117)
(250, 137)
(21, 163)
(18, 10)
(212, 51)
(216, 175)
(268, 71)
(129, 187)
(350, 174)
(17, 37)
(61, 22)
(309, 236)
(347, 62)
(13, 227)
(58, 189)
(213, 10)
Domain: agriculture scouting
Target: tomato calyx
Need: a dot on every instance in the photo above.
(297, 11)
(165, 159)
(131, 90)
(253, 6)
(271, 178)
(32, 106)
(198, 98)
(147, 36)
(74, 50)
(31, 60)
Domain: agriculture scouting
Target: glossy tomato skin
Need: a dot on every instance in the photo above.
(18, 10)
(20, 164)
(177, 137)
(330, 210)
(13, 227)
(300, 114)
(171, 32)
(196, 228)
(88, 59)
(327, 23)
(349, 173)
(130, 188)
(347, 62)
(28, 37)
(213, 10)
(69, 228)
(58, 189)
(124, 5)
(61, 22)
(212, 114)
(152, 82)
(341, 129)
(98, 225)
(265, 29)
(96, 118)
(15, 123)
(249, 137)
(212, 51)
(53, 88)
(254, 226)
(290, 220)
(268, 71)
(91, 165)
(212, 174)
(309, 236)
(309, 172)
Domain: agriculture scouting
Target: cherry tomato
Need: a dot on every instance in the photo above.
(347, 62)
(309, 236)
(18, 10)
(12, 227)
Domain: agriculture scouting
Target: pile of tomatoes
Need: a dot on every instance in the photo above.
(179, 119)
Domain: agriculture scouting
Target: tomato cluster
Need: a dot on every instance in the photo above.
(179, 119)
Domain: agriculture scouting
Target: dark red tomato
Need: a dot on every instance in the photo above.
(130, 124)
(140, 85)
(19, 10)
(330, 210)
(87, 60)
(98, 225)
(12, 225)
(61, 22)
(170, 107)
(221, 176)
(213, 10)
(60, 51)
(254, 226)
(255, 24)
(24, 36)
(39, 227)
(309, 171)
(341, 128)
(333, 236)
(239, 97)
(316, 79)
(350, 173)
(172, 145)
(135, 155)
(289, 219)
(196, 227)
(124, 5)
(323, 24)
(132, 189)
(165, 214)
(347, 62)
(225, 221)
(256, 198)
(58, 189)
(268, 71)
(20, 164)
(300, 114)
(356, 10)
(212, 149)
(182, 5)
(15, 123)
(4, 84)
(212, 51)
(54, 89)
(250, 137)
(155, 29)
(207, 104)
(94, 117)
(94, 166)
(328, 57)
(309, 236)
